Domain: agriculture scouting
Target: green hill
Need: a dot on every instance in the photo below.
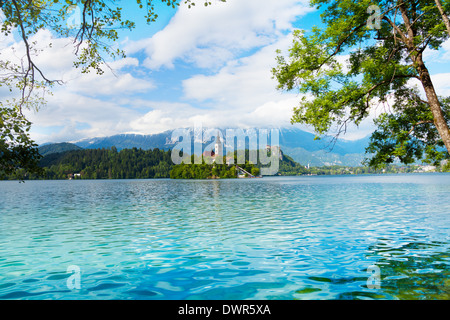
(107, 164)
(48, 149)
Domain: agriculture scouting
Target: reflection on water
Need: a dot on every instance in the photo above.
(271, 238)
(408, 271)
(413, 268)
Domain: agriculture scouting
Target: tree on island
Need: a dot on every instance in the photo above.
(207, 170)
(92, 36)
(386, 51)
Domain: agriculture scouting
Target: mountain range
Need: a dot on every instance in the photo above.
(298, 144)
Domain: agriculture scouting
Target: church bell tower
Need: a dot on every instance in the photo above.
(219, 146)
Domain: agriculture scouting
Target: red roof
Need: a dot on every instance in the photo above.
(209, 153)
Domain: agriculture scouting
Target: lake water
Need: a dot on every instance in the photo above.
(271, 238)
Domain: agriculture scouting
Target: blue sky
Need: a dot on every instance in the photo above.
(209, 65)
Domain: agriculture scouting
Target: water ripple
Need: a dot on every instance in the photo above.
(271, 238)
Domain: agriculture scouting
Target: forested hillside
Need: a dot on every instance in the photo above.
(47, 149)
(108, 164)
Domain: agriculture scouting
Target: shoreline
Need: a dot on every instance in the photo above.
(251, 178)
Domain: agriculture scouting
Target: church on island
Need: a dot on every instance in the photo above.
(218, 149)
(218, 152)
(216, 164)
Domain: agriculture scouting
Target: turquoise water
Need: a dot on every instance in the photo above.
(271, 238)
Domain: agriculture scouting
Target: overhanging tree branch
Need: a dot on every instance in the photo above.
(29, 79)
(340, 44)
(418, 124)
(444, 16)
(407, 29)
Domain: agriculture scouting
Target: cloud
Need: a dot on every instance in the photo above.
(113, 82)
(243, 84)
(208, 37)
(441, 84)
(164, 116)
(236, 41)
(167, 116)
(55, 57)
(76, 116)
(85, 105)
(240, 94)
(241, 91)
(438, 56)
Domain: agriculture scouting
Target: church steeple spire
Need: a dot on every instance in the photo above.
(218, 136)
(218, 146)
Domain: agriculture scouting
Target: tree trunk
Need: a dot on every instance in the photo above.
(433, 101)
(444, 16)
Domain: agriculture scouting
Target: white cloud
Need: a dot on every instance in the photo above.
(55, 57)
(243, 84)
(167, 116)
(65, 110)
(86, 104)
(241, 94)
(273, 113)
(438, 56)
(163, 116)
(236, 40)
(112, 83)
(79, 117)
(441, 83)
(210, 36)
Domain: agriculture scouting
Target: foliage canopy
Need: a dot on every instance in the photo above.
(382, 59)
